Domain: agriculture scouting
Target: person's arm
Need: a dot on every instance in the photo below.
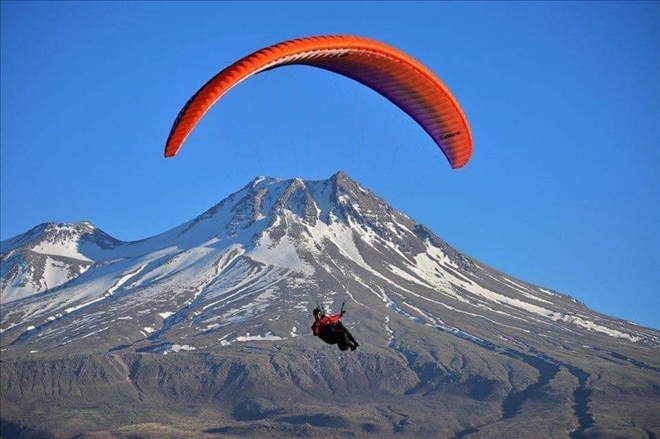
(329, 320)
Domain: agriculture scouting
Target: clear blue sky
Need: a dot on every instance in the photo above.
(563, 99)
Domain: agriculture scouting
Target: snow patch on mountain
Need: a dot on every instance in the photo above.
(544, 312)
(267, 337)
(68, 250)
(281, 252)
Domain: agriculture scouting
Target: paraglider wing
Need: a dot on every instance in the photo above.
(388, 71)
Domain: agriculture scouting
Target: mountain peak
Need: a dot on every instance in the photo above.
(342, 180)
(340, 175)
(53, 233)
(262, 181)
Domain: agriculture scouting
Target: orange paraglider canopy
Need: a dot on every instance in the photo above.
(390, 72)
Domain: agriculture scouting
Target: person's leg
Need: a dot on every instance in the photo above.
(328, 336)
(344, 329)
(340, 336)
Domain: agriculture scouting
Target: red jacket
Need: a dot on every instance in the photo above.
(318, 326)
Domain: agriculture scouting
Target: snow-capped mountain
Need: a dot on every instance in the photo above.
(301, 242)
(48, 256)
(247, 273)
